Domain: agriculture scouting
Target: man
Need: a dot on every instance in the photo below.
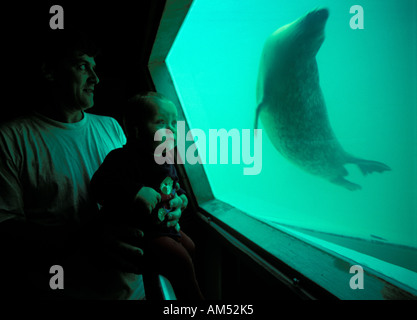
(47, 216)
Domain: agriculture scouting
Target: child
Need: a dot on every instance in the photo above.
(131, 183)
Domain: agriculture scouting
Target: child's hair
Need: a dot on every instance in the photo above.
(139, 110)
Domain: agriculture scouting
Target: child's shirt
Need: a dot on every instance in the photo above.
(123, 173)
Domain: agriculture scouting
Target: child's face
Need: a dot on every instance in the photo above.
(165, 117)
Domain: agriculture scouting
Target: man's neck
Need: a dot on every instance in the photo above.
(72, 117)
(63, 115)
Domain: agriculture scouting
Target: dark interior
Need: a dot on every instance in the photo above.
(124, 31)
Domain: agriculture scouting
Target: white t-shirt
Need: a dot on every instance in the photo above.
(45, 172)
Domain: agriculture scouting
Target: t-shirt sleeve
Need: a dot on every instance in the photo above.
(119, 131)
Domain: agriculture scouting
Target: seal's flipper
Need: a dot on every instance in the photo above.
(347, 184)
(258, 109)
(368, 166)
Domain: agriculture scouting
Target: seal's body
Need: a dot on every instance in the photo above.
(291, 105)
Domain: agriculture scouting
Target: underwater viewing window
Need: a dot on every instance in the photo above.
(207, 58)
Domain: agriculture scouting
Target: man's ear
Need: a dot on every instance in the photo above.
(47, 72)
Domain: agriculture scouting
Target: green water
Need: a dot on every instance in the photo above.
(369, 81)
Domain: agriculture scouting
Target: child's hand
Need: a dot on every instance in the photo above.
(148, 197)
(183, 197)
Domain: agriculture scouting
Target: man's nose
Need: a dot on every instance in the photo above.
(93, 78)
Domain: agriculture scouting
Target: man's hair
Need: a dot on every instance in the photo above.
(61, 44)
(139, 110)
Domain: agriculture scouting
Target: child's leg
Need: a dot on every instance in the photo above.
(171, 259)
(187, 243)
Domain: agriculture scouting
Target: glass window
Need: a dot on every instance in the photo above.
(368, 77)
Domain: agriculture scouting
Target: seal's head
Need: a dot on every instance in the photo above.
(315, 19)
(303, 36)
(311, 30)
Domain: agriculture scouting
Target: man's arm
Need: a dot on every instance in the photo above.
(25, 245)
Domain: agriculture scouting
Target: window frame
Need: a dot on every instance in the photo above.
(311, 271)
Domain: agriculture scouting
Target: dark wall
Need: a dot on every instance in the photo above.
(124, 30)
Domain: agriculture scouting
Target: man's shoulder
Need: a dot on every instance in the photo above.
(98, 118)
(17, 124)
(106, 123)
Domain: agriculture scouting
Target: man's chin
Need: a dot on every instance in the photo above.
(86, 106)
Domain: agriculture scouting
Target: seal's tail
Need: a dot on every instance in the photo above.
(369, 166)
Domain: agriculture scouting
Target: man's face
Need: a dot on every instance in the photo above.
(76, 81)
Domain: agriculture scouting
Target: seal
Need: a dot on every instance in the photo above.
(291, 105)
